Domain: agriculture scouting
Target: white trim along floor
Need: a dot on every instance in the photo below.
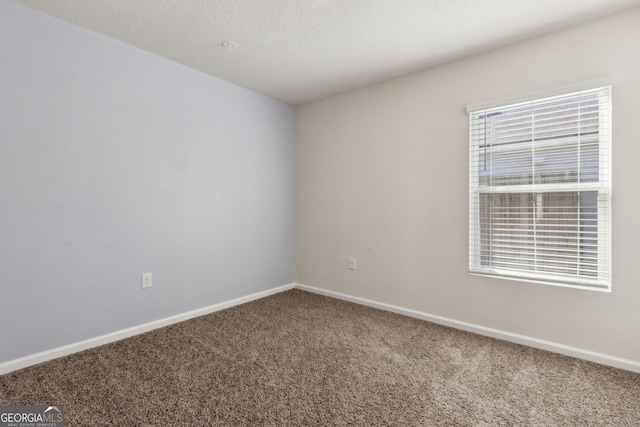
(604, 359)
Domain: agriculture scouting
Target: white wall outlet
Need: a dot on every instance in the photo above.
(352, 263)
(147, 280)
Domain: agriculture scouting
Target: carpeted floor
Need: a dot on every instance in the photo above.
(297, 358)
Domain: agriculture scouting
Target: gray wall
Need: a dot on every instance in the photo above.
(115, 162)
(382, 175)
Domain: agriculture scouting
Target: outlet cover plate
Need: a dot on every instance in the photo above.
(147, 280)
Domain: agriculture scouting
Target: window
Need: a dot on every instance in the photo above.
(540, 189)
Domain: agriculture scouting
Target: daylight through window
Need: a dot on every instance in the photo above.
(540, 190)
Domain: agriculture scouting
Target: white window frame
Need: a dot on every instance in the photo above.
(602, 187)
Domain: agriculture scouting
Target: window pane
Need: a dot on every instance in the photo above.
(543, 143)
(541, 232)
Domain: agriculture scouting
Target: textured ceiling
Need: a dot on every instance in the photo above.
(301, 50)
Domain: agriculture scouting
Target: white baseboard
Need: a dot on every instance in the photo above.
(33, 359)
(603, 359)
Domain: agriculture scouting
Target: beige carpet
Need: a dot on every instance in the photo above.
(297, 359)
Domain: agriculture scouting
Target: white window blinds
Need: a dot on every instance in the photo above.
(540, 190)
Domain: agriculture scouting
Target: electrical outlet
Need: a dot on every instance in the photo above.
(352, 263)
(147, 280)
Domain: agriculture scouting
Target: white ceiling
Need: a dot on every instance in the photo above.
(301, 50)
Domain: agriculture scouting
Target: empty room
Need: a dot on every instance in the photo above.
(319, 212)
